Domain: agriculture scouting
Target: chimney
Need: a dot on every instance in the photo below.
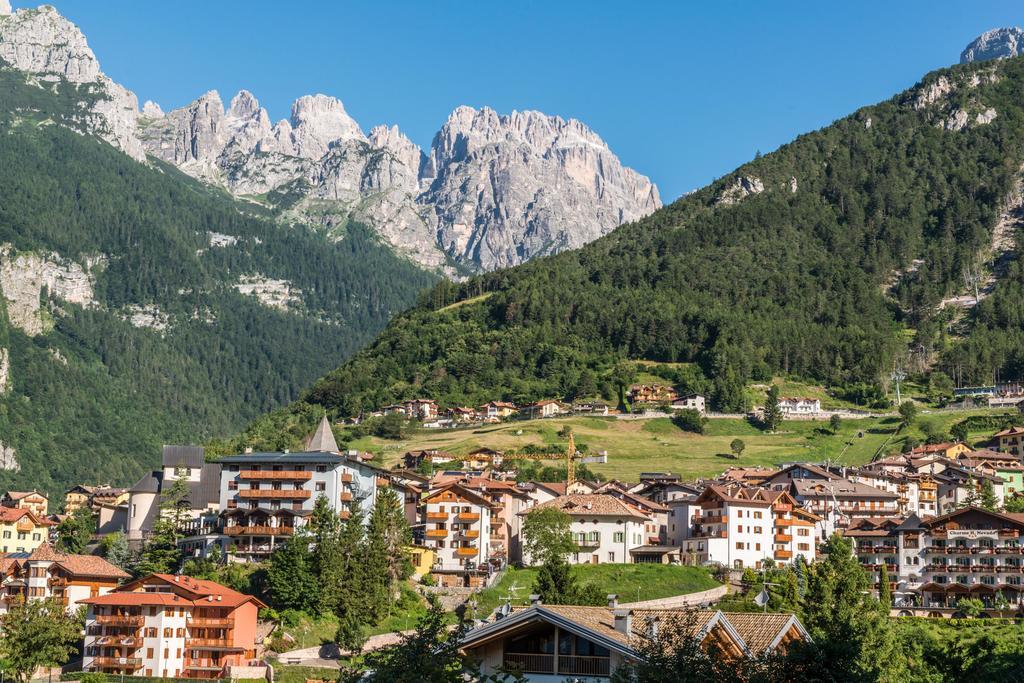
(652, 627)
(624, 621)
(613, 601)
(534, 600)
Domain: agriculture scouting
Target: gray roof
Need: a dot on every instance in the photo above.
(304, 456)
(150, 483)
(323, 438)
(185, 456)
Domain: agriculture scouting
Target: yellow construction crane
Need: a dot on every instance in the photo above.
(571, 455)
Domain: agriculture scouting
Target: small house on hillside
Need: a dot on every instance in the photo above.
(799, 406)
(690, 402)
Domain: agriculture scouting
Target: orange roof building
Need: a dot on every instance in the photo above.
(171, 626)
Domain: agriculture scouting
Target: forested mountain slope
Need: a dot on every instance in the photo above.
(814, 260)
(140, 307)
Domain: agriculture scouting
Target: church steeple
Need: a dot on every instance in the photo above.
(322, 440)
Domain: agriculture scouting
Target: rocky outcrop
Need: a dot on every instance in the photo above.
(8, 459)
(5, 370)
(25, 275)
(42, 42)
(999, 43)
(743, 187)
(279, 294)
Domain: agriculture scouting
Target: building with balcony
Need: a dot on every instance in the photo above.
(1010, 440)
(796, 406)
(21, 530)
(47, 574)
(170, 626)
(838, 501)
(264, 497)
(27, 500)
(507, 502)
(605, 528)
(741, 527)
(567, 642)
(458, 523)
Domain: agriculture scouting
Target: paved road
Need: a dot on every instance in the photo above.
(327, 655)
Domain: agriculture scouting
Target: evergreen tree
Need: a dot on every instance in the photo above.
(291, 578)
(771, 416)
(350, 581)
(115, 549)
(76, 530)
(988, 499)
(884, 590)
(834, 423)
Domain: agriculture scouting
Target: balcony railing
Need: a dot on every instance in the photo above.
(211, 622)
(466, 552)
(270, 475)
(120, 662)
(346, 477)
(119, 641)
(783, 538)
(782, 507)
(437, 516)
(202, 643)
(258, 530)
(346, 497)
(120, 619)
(783, 554)
(437, 533)
(275, 493)
(468, 516)
(781, 521)
(567, 664)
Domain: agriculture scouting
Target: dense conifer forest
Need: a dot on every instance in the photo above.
(93, 397)
(826, 274)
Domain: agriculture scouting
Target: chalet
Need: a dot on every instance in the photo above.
(414, 459)
(45, 573)
(741, 527)
(27, 500)
(838, 501)
(462, 414)
(605, 528)
(22, 530)
(541, 409)
(651, 393)
(508, 501)
(592, 642)
(690, 402)
(948, 450)
(497, 410)
(798, 405)
(1010, 440)
(458, 531)
(591, 408)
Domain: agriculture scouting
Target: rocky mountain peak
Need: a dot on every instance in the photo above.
(318, 121)
(999, 43)
(243, 105)
(43, 43)
(152, 110)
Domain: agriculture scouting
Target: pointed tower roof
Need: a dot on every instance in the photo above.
(322, 440)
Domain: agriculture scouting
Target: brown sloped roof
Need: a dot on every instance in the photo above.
(80, 565)
(758, 629)
(584, 504)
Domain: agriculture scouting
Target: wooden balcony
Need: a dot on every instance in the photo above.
(383, 483)
(209, 643)
(346, 477)
(468, 517)
(783, 538)
(472, 533)
(25, 527)
(212, 622)
(258, 530)
(783, 555)
(346, 497)
(120, 619)
(266, 494)
(437, 533)
(344, 514)
(279, 475)
(119, 641)
(782, 507)
(782, 521)
(118, 662)
(466, 552)
(437, 516)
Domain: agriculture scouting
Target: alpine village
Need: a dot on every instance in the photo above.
(296, 402)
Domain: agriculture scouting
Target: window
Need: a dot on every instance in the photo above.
(757, 529)
(232, 468)
(739, 528)
(168, 633)
(757, 514)
(611, 557)
(35, 537)
(22, 535)
(757, 546)
(151, 631)
(321, 486)
(618, 537)
(181, 633)
(7, 534)
(802, 532)
(739, 546)
(149, 653)
(232, 485)
(321, 468)
(803, 546)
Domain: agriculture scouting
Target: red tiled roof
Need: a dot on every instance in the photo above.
(198, 592)
(8, 515)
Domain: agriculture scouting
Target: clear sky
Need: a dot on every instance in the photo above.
(681, 91)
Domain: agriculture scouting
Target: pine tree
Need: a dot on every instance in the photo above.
(349, 578)
(772, 413)
(291, 579)
(884, 590)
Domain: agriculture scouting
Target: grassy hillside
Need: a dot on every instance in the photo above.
(819, 261)
(657, 445)
(93, 397)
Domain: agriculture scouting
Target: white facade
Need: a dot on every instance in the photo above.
(458, 529)
(691, 402)
(799, 406)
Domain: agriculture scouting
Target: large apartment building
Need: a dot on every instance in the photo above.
(934, 563)
(170, 626)
(265, 496)
(458, 531)
(742, 527)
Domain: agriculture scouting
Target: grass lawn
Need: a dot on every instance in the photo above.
(636, 446)
(300, 674)
(631, 582)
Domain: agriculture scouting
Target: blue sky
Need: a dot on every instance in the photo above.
(681, 91)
